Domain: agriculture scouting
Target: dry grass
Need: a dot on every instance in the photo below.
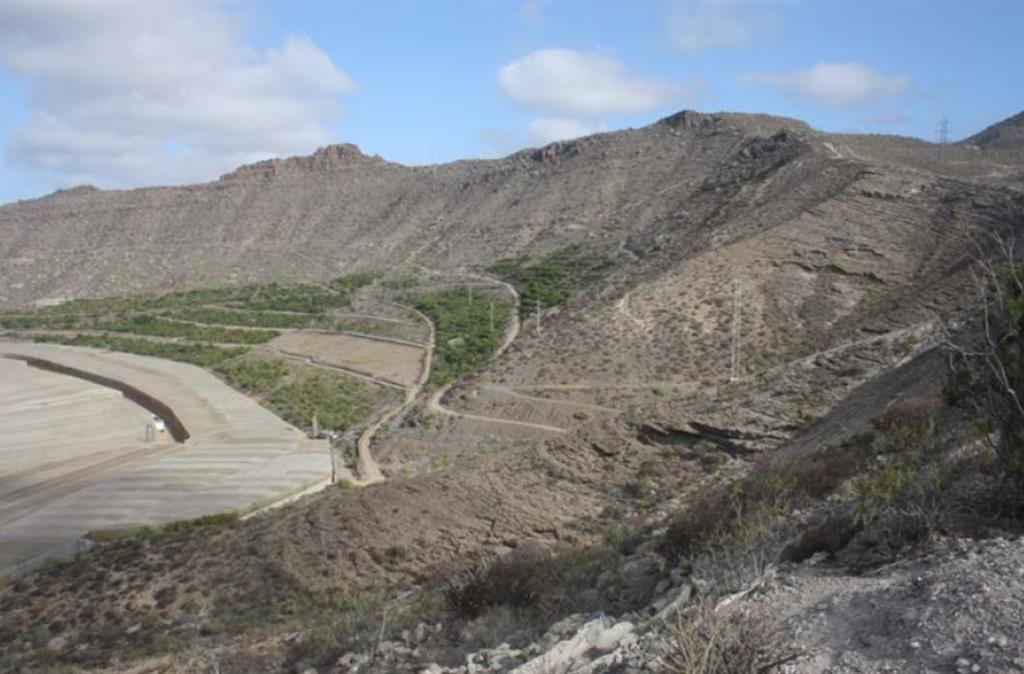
(706, 641)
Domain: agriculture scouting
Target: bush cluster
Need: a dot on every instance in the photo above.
(151, 326)
(705, 641)
(204, 355)
(554, 278)
(257, 319)
(547, 582)
(337, 401)
(464, 339)
(253, 376)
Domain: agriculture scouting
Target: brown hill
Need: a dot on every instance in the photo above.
(1007, 134)
(339, 210)
(836, 254)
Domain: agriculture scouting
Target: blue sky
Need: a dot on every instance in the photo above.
(123, 95)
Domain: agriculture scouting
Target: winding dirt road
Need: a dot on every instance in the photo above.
(366, 466)
(435, 404)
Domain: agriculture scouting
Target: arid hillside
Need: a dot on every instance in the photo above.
(716, 382)
(690, 180)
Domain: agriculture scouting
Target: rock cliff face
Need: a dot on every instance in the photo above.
(700, 178)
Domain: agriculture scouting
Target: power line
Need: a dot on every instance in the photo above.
(735, 349)
(942, 132)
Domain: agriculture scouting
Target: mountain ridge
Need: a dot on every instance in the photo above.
(339, 210)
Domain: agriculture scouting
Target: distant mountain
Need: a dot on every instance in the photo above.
(1007, 134)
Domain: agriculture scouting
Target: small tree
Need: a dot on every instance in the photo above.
(987, 364)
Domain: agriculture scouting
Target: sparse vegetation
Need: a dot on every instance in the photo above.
(253, 376)
(346, 622)
(350, 283)
(368, 326)
(338, 401)
(205, 355)
(34, 321)
(214, 520)
(299, 297)
(544, 582)
(554, 278)
(150, 326)
(259, 319)
(988, 363)
(706, 641)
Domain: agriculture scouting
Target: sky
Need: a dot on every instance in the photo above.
(128, 94)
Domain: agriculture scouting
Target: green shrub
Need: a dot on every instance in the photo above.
(549, 581)
(259, 319)
(346, 622)
(554, 278)
(464, 339)
(733, 515)
(337, 401)
(988, 361)
(350, 283)
(909, 424)
(150, 326)
(299, 297)
(205, 355)
(253, 376)
(34, 321)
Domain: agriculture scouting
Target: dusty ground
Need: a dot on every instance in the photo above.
(959, 609)
(390, 361)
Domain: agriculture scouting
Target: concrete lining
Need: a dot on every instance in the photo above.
(174, 425)
(82, 464)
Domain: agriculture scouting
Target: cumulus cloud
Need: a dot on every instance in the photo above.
(835, 85)
(544, 130)
(166, 92)
(699, 26)
(575, 84)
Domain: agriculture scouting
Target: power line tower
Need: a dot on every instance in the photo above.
(736, 346)
(942, 132)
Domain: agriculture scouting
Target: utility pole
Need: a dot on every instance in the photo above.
(734, 366)
(492, 315)
(538, 316)
(943, 135)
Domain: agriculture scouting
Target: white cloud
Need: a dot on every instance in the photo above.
(544, 130)
(572, 83)
(836, 85)
(711, 24)
(166, 92)
(532, 12)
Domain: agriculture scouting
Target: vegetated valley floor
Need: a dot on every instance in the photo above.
(842, 258)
